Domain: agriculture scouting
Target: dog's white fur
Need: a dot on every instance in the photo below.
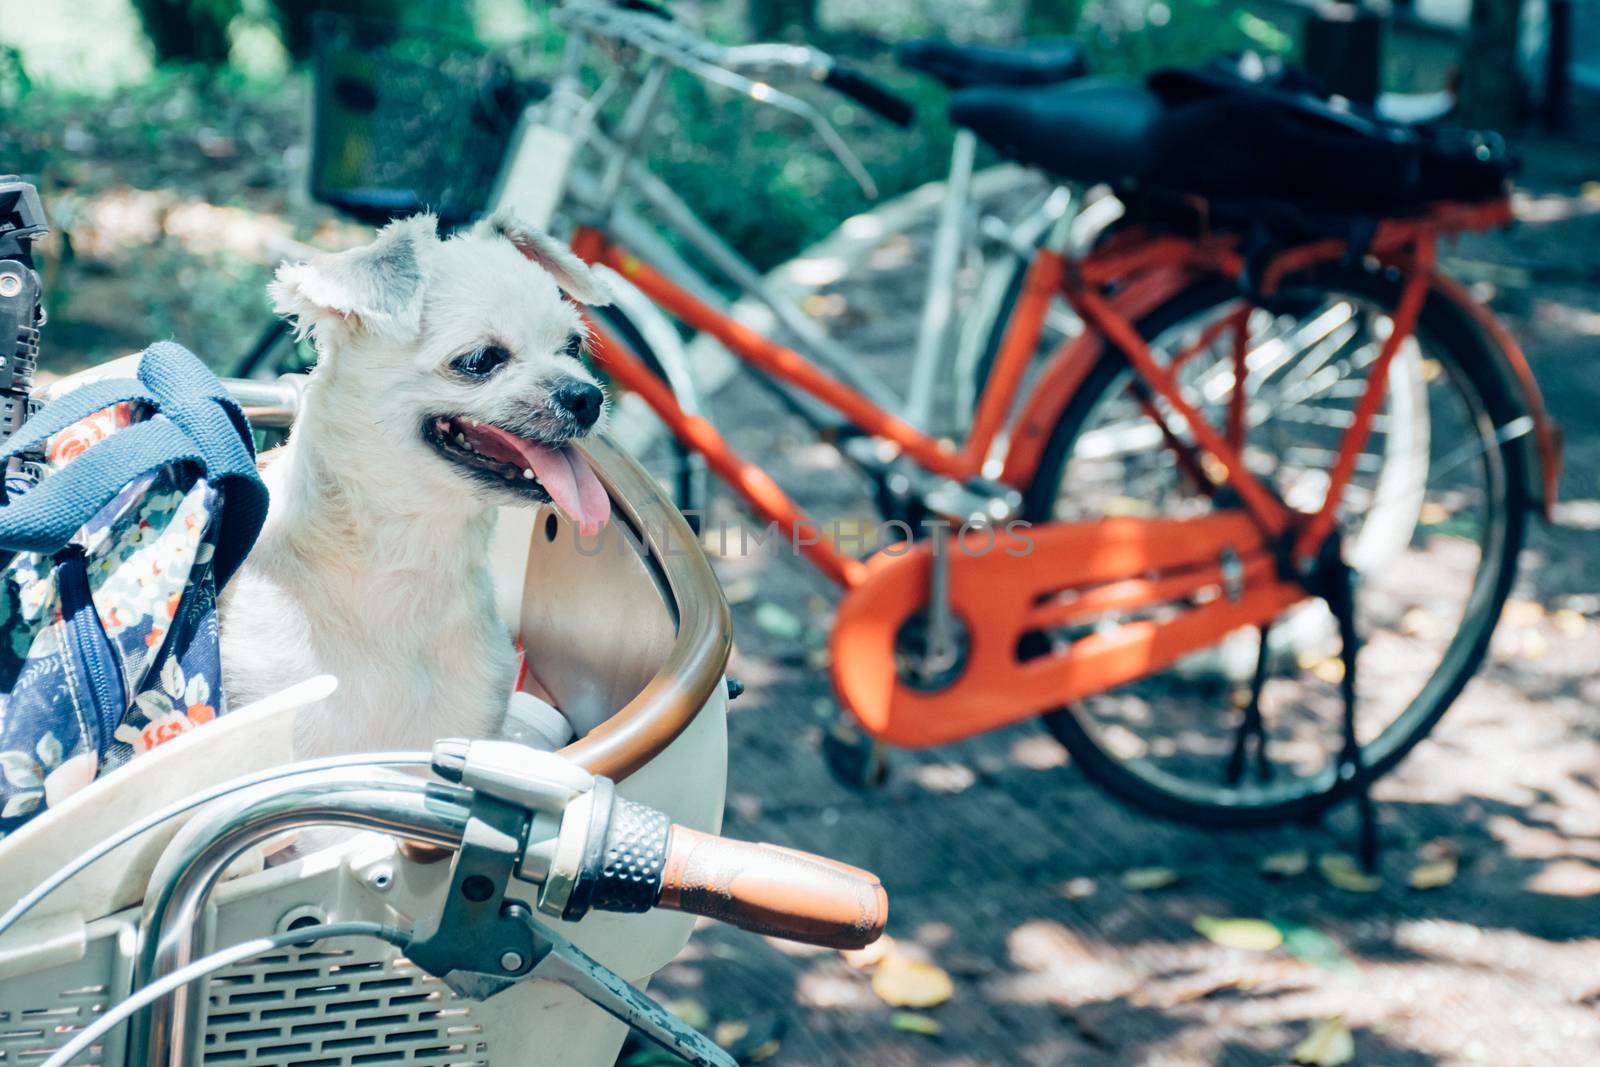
(372, 565)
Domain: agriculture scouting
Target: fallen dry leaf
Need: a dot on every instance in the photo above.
(1523, 612)
(1145, 879)
(1433, 874)
(1571, 623)
(1290, 864)
(1330, 1044)
(1438, 866)
(1433, 513)
(1252, 935)
(863, 958)
(729, 1032)
(1077, 888)
(906, 983)
(1330, 670)
(1343, 872)
(1419, 622)
(912, 1023)
(764, 1051)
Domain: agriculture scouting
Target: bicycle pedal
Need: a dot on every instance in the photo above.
(872, 454)
(975, 502)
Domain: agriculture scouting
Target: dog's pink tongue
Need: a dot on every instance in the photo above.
(570, 483)
(564, 475)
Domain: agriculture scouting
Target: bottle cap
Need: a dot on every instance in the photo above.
(531, 721)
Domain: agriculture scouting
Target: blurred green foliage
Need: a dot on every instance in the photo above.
(234, 134)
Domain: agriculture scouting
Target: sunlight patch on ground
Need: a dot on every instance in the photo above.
(1556, 315)
(123, 220)
(1553, 207)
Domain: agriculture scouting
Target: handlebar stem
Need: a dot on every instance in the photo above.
(631, 136)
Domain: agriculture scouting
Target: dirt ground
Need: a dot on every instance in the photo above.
(1008, 869)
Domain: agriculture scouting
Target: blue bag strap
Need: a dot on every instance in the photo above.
(45, 518)
(194, 399)
(74, 407)
(202, 425)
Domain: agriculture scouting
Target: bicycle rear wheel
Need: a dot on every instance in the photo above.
(1431, 525)
(680, 471)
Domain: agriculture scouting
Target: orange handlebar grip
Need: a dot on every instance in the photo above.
(771, 890)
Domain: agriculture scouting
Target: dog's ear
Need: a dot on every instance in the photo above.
(371, 288)
(571, 273)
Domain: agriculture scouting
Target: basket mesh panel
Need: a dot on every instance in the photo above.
(338, 1008)
(42, 1010)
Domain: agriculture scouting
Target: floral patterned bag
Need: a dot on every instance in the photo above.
(108, 623)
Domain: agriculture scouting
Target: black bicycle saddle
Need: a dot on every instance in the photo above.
(1091, 130)
(1040, 62)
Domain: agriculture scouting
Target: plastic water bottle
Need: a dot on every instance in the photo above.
(535, 723)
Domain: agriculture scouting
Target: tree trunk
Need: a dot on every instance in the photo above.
(188, 31)
(1051, 18)
(296, 18)
(1491, 86)
(778, 20)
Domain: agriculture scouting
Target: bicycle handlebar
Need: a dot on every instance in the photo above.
(744, 68)
(613, 854)
(870, 94)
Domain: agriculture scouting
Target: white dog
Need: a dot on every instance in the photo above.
(447, 384)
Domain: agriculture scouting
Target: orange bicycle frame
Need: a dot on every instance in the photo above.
(787, 365)
(1222, 571)
(1146, 271)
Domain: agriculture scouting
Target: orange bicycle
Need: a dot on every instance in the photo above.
(1253, 424)
(1240, 498)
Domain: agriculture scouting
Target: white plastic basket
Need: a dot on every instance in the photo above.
(631, 641)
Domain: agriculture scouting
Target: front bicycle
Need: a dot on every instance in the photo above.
(425, 962)
(362, 953)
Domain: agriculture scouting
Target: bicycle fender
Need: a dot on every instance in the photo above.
(1545, 471)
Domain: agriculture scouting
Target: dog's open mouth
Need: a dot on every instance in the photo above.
(540, 469)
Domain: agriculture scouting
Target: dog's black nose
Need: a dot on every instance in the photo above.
(580, 400)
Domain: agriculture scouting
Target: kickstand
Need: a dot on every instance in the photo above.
(1252, 729)
(1341, 598)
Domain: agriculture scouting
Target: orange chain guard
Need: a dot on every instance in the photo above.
(1043, 577)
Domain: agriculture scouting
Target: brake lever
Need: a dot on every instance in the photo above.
(482, 942)
(764, 93)
(569, 965)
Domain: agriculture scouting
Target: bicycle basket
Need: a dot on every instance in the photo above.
(405, 120)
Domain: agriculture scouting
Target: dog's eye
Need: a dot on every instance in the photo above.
(480, 362)
(573, 347)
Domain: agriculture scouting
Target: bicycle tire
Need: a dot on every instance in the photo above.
(1453, 336)
(686, 477)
